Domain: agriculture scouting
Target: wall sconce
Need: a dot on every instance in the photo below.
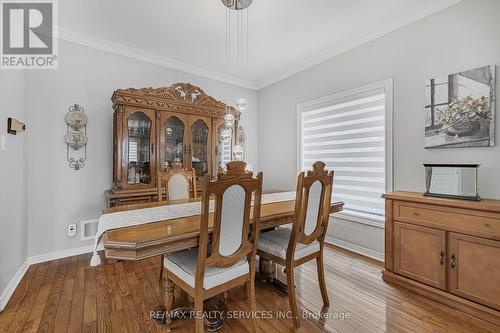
(76, 136)
(14, 126)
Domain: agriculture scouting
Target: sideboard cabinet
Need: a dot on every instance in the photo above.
(445, 249)
(154, 127)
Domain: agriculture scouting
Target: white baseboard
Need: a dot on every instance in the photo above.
(11, 287)
(355, 248)
(14, 282)
(60, 254)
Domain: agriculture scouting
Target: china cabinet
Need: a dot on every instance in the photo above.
(152, 128)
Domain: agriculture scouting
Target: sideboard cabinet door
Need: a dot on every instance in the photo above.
(419, 254)
(474, 269)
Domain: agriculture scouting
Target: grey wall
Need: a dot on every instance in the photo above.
(59, 195)
(461, 37)
(13, 207)
(458, 38)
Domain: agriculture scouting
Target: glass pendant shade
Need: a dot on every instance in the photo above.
(229, 119)
(241, 104)
(225, 135)
(238, 153)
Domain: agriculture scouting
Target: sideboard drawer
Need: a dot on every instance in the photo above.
(451, 219)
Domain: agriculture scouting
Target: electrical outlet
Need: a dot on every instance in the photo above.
(72, 230)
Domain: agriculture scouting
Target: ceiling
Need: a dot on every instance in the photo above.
(284, 37)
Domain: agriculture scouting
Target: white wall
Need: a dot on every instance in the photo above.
(59, 195)
(13, 207)
(461, 37)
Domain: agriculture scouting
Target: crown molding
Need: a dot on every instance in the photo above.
(378, 32)
(130, 52)
(137, 54)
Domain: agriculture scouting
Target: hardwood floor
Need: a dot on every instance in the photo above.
(67, 295)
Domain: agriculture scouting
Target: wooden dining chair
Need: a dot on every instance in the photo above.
(176, 184)
(304, 241)
(225, 257)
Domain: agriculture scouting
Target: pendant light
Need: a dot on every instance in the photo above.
(237, 7)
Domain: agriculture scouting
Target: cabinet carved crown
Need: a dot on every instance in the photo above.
(179, 97)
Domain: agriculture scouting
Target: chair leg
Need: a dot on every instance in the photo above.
(161, 267)
(252, 303)
(321, 279)
(169, 300)
(198, 314)
(291, 296)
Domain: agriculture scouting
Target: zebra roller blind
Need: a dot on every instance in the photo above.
(348, 134)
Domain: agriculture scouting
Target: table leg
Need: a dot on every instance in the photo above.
(169, 299)
(163, 316)
(267, 270)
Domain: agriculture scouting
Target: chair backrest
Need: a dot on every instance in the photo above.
(233, 236)
(176, 184)
(312, 205)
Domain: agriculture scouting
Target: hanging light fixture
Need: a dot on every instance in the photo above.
(229, 119)
(236, 8)
(237, 4)
(238, 153)
(241, 104)
(225, 135)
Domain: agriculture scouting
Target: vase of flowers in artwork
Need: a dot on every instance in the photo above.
(464, 117)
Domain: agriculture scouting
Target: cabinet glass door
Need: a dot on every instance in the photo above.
(200, 148)
(224, 146)
(139, 148)
(174, 141)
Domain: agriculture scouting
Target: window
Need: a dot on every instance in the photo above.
(352, 133)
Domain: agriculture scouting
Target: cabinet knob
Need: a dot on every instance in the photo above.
(453, 263)
(441, 257)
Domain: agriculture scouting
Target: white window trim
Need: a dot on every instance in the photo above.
(387, 87)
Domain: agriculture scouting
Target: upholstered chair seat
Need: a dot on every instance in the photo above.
(183, 265)
(275, 242)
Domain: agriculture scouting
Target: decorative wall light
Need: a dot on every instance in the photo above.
(76, 137)
(14, 126)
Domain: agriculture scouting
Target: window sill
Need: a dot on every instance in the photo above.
(363, 218)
